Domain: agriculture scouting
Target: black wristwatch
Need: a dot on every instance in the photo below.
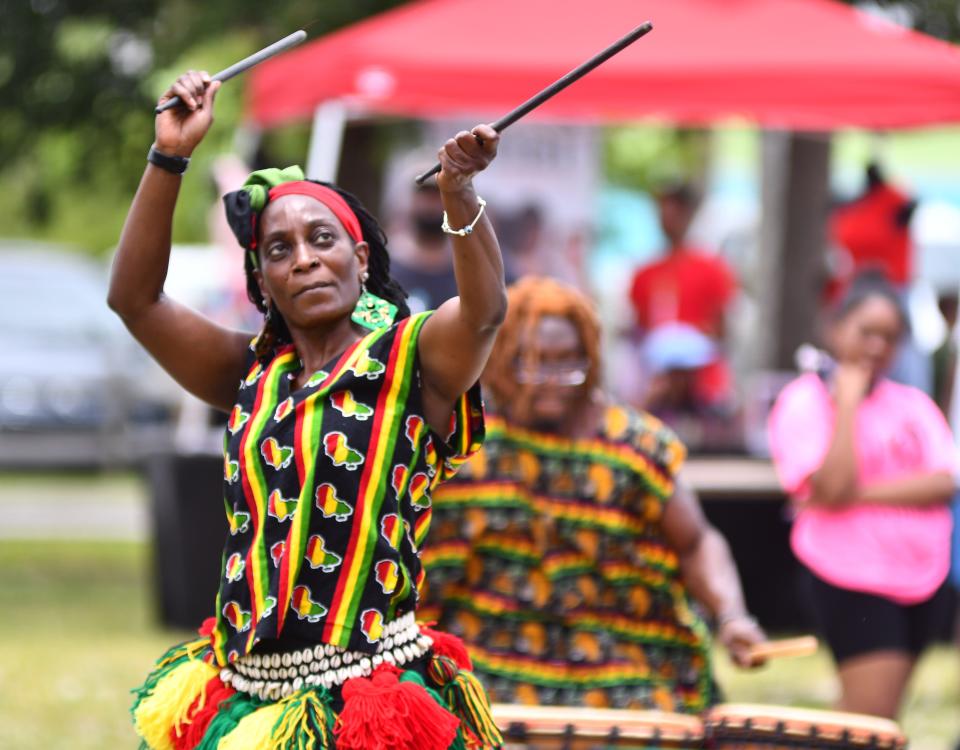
(172, 164)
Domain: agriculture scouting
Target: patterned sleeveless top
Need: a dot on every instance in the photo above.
(548, 557)
(327, 494)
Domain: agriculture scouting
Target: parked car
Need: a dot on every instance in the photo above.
(68, 369)
(208, 279)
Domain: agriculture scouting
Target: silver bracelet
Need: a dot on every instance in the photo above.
(468, 229)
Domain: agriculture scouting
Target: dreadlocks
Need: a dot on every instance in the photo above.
(529, 300)
(276, 333)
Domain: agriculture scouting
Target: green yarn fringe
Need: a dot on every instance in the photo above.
(231, 711)
(307, 722)
(172, 659)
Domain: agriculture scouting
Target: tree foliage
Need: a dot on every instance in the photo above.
(939, 18)
(644, 157)
(78, 79)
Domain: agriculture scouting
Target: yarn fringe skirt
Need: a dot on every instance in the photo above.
(184, 705)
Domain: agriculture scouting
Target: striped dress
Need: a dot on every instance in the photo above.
(328, 494)
(548, 558)
(328, 497)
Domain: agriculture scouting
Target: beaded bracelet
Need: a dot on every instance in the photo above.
(468, 229)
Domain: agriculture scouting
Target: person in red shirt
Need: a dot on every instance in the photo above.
(875, 230)
(872, 232)
(686, 286)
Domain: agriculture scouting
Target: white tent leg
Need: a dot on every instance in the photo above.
(326, 139)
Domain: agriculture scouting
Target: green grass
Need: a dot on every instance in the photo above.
(931, 716)
(78, 486)
(77, 633)
(76, 637)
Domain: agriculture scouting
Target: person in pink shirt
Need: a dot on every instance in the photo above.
(870, 464)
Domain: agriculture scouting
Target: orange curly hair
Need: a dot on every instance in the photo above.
(528, 300)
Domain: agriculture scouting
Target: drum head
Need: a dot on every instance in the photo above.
(827, 728)
(604, 724)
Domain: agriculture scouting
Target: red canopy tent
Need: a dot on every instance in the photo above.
(800, 64)
(792, 65)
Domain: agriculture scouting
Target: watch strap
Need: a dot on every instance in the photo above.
(172, 164)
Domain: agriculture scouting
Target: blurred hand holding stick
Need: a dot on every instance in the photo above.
(559, 85)
(248, 62)
(784, 649)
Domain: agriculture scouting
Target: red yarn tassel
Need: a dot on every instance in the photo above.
(445, 644)
(382, 713)
(190, 735)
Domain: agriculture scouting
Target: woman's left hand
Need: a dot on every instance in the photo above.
(465, 155)
(739, 635)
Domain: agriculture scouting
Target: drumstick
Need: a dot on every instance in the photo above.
(784, 649)
(246, 63)
(559, 85)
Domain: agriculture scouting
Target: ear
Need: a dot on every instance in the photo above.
(258, 276)
(362, 253)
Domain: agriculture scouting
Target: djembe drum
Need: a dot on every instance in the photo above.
(753, 727)
(568, 728)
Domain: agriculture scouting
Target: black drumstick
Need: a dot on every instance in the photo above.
(248, 62)
(557, 86)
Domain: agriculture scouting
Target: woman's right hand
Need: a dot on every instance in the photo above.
(181, 128)
(851, 383)
(739, 635)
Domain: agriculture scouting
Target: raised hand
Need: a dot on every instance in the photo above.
(180, 129)
(465, 155)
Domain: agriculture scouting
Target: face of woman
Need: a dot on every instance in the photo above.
(868, 334)
(310, 268)
(555, 382)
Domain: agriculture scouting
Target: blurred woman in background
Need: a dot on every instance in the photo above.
(871, 464)
(568, 553)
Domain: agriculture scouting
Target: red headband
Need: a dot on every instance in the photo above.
(328, 197)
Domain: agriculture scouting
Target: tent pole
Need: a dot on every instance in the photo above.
(793, 236)
(326, 140)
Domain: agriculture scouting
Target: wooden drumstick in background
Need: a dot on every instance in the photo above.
(784, 649)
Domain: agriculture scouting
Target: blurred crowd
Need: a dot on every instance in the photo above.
(670, 347)
(860, 441)
(673, 348)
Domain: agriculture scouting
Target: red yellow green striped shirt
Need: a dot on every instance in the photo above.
(328, 494)
(548, 557)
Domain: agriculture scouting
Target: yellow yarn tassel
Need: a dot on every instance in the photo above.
(190, 648)
(170, 702)
(306, 722)
(468, 700)
(254, 731)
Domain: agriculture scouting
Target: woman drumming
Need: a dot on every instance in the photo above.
(345, 413)
(871, 465)
(567, 552)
